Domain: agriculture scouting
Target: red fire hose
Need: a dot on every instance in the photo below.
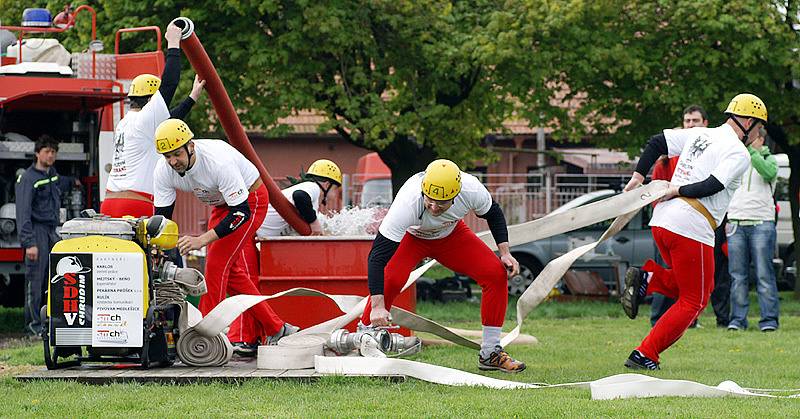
(230, 121)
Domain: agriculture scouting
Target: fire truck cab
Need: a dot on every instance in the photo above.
(74, 97)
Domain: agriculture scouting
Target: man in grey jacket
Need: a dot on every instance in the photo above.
(751, 238)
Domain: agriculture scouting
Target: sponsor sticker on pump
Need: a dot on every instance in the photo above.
(101, 293)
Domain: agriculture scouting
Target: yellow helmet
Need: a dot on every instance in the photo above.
(171, 135)
(144, 85)
(326, 169)
(160, 232)
(442, 180)
(746, 104)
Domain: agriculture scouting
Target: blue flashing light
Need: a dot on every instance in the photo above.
(36, 17)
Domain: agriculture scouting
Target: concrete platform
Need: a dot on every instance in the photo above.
(236, 371)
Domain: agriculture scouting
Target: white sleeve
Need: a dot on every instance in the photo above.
(732, 167)
(232, 187)
(676, 139)
(399, 218)
(481, 201)
(163, 189)
(152, 114)
(404, 212)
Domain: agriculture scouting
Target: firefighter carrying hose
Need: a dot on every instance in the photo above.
(130, 184)
(219, 176)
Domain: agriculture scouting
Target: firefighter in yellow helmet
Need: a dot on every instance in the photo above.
(709, 170)
(129, 190)
(306, 196)
(221, 177)
(426, 220)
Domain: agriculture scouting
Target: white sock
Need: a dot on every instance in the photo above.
(491, 338)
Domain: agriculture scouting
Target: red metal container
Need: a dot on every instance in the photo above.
(331, 264)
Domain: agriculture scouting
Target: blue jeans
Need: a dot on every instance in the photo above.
(754, 244)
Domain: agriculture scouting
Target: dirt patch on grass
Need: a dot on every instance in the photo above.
(15, 370)
(13, 340)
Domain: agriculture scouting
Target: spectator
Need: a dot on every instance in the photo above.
(38, 197)
(752, 239)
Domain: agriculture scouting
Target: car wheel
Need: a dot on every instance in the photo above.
(529, 268)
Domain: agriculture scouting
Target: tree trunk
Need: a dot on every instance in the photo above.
(793, 151)
(405, 157)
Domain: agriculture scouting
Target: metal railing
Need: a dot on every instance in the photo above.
(522, 196)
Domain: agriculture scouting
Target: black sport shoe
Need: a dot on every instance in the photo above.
(245, 349)
(631, 296)
(500, 360)
(637, 361)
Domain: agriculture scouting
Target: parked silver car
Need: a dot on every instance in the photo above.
(785, 234)
(630, 247)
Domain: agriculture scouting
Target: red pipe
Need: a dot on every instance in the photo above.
(202, 64)
(94, 33)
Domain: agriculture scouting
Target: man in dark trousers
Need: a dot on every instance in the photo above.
(38, 198)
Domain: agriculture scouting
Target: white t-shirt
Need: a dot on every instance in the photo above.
(220, 175)
(274, 224)
(703, 152)
(407, 213)
(135, 154)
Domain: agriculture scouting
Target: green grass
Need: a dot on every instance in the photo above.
(578, 342)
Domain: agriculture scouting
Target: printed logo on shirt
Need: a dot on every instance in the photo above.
(699, 145)
(208, 197)
(119, 143)
(236, 194)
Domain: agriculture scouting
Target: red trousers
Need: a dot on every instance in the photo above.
(463, 252)
(119, 207)
(689, 282)
(244, 328)
(230, 260)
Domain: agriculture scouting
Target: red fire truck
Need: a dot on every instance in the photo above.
(76, 98)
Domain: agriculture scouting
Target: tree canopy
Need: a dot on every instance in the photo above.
(420, 79)
(633, 66)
